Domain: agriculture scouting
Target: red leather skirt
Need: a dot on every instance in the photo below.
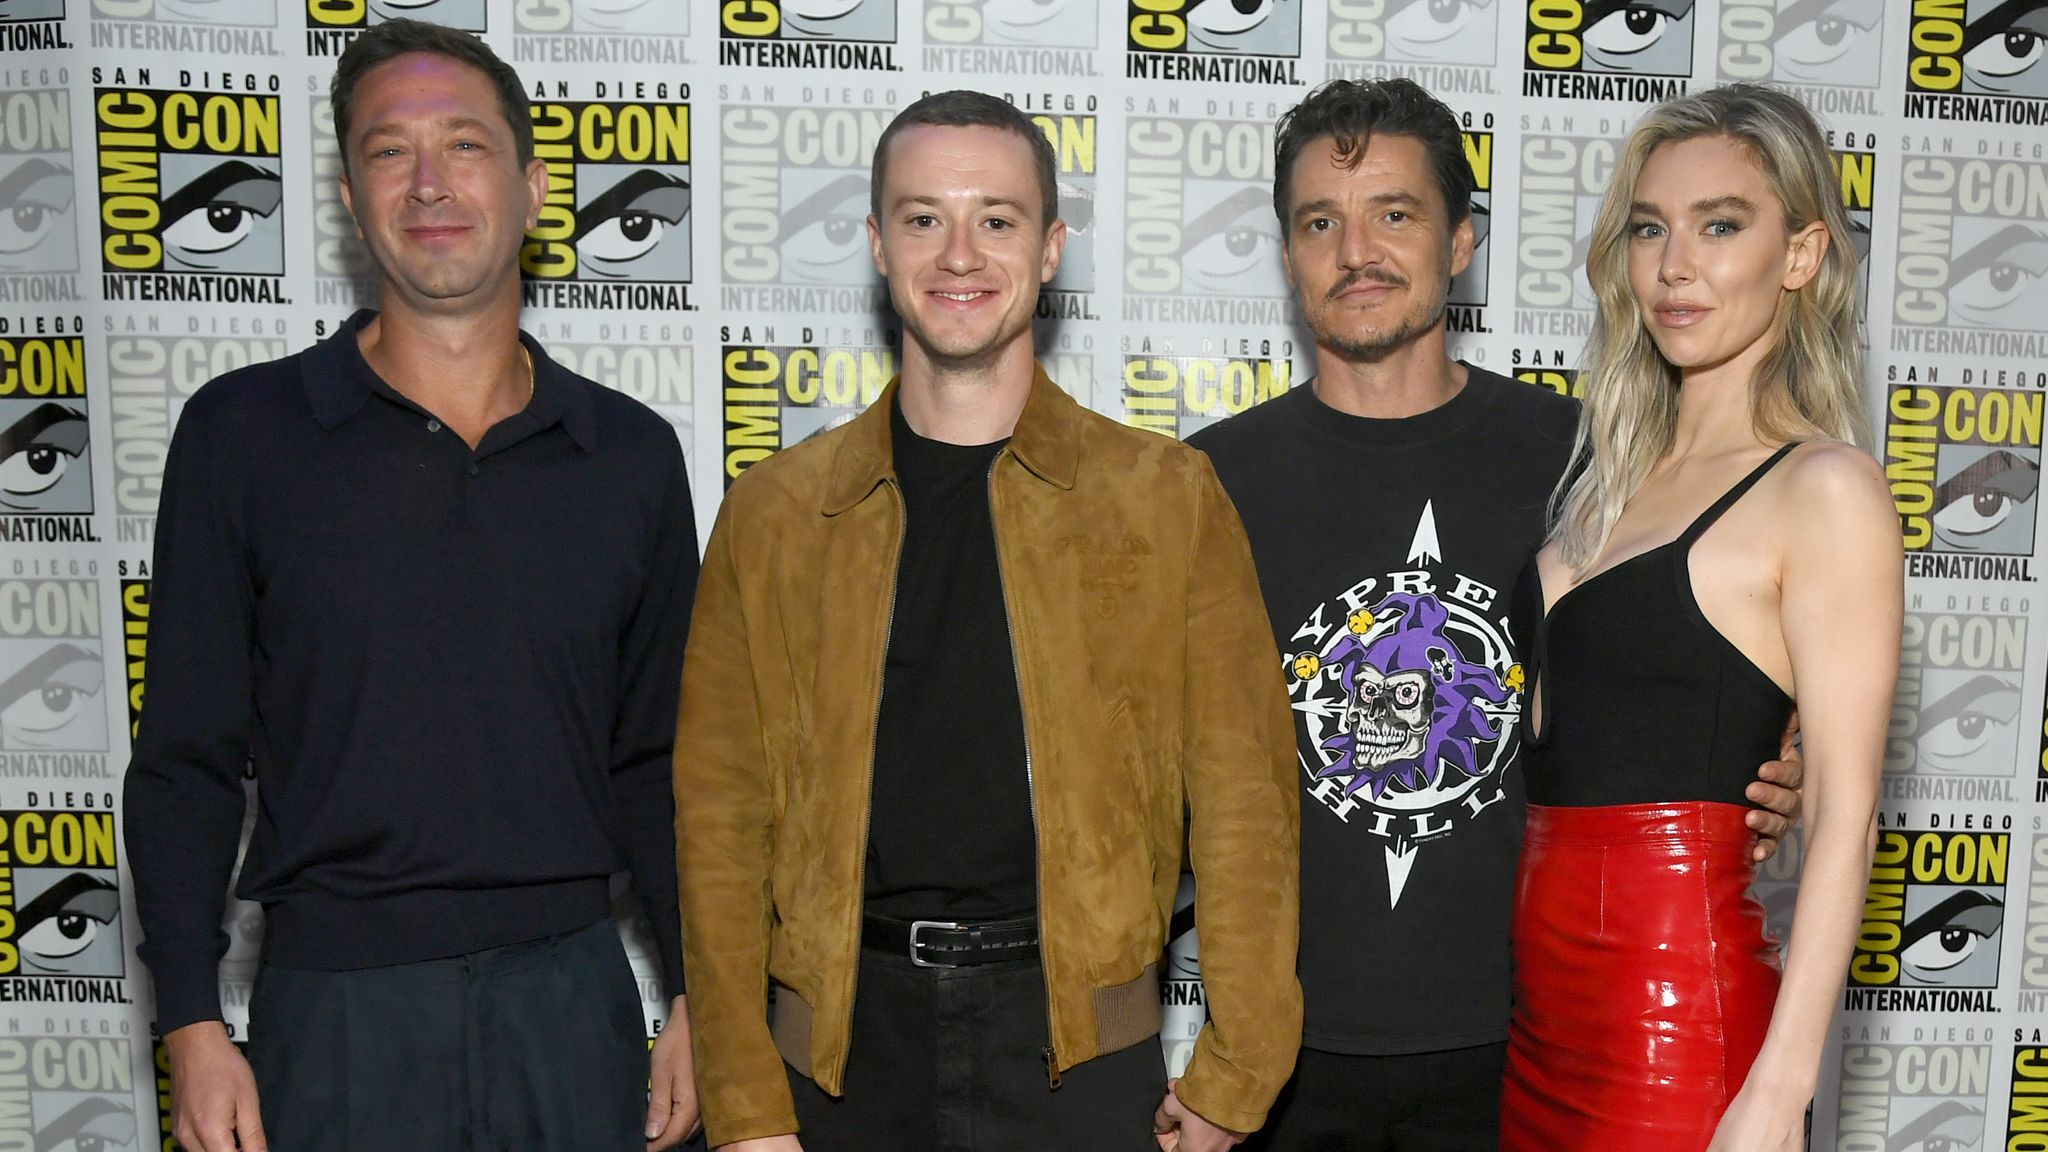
(1643, 978)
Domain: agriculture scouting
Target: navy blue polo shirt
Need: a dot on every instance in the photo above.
(453, 671)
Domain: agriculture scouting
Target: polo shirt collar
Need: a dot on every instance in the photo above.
(338, 381)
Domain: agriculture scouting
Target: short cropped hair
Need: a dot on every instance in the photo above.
(394, 38)
(962, 108)
(1348, 112)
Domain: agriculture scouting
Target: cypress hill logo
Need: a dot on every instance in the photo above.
(1009, 38)
(1829, 55)
(1965, 470)
(840, 35)
(1603, 50)
(38, 193)
(134, 640)
(1973, 237)
(1213, 41)
(1956, 713)
(150, 375)
(777, 395)
(32, 26)
(1932, 922)
(599, 31)
(2033, 991)
(53, 697)
(343, 274)
(67, 1093)
(1563, 175)
(1546, 369)
(189, 188)
(793, 189)
(1926, 1096)
(213, 27)
(614, 232)
(1856, 170)
(649, 361)
(331, 25)
(45, 438)
(1070, 295)
(60, 901)
(1201, 244)
(1467, 299)
(1977, 61)
(1444, 46)
(1180, 395)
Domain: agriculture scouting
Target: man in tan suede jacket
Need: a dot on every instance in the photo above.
(965, 675)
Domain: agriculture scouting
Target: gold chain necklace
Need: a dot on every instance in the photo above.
(528, 357)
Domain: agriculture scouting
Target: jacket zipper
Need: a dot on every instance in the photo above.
(867, 806)
(1051, 1057)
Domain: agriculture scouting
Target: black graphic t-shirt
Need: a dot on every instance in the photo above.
(1387, 551)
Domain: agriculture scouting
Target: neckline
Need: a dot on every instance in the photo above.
(1398, 433)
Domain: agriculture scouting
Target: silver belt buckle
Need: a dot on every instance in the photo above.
(915, 927)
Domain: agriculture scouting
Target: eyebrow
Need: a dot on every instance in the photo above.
(986, 202)
(259, 190)
(1381, 199)
(15, 185)
(2012, 244)
(37, 673)
(457, 123)
(1697, 207)
(25, 432)
(1964, 698)
(649, 190)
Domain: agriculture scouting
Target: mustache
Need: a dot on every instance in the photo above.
(1376, 275)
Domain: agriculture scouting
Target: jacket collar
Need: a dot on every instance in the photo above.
(1047, 441)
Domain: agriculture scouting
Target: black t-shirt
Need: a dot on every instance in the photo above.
(950, 834)
(1387, 551)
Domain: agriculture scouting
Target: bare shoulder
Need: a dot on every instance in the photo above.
(1838, 504)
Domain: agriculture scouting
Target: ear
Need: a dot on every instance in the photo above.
(1055, 245)
(1463, 240)
(875, 247)
(1803, 255)
(536, 190)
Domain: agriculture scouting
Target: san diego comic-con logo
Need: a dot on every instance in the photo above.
(1855, 162)
(1404, 687)
(70, 1093)
(614, 231)
(1180, 395)
(840, 35)
(1546, 368)
(1964, 466)
(779, 394)
(649, 360)
(1011, 37)
(45, 441)
(1978, 61)
(244, 28)
(32, 25)
(1924, 1097)
(134, 640)
(344, 277)
(52, 674)
(1068, 124)
(1829, 54)
(1468, 289)
(1956, 722)
(1563, 174)
(2026, 1124)
(38, 196)
(1607, 50)
(1972, 269)
(60, 900)
(793, 201)
(1446, 46)
(1213, 41)
(1932, 920)
(150, 374)
(2033, 994)
(599, 31)
(189, 188)
(332, 25)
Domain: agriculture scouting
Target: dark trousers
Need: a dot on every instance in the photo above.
(950, 1060)
(535, 1047)
(1426, 1102)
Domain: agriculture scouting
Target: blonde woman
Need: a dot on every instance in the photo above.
(1727, 551)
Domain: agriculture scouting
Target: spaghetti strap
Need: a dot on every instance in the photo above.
(1706, 519)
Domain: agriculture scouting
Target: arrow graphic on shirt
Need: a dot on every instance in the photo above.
(1399, 860)
(1425, 546)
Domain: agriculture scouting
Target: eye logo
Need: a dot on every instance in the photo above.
(1442, 32)
(843, 34)
(219, 13)
(793, 189)
(1956, 711)
(593, 17)
(69, 1093)
(1823, 43)
(467, 15)
(65, 900)
(1981, 48)
(1965, 471)
(1972, 267)
(1913, 1097)
(776, 396)
(1607, 49)
(1012, 24)
(618, 205)
(1229, 41)
(1933, 918)
(30, 25)
(52, 682)
(38, 188)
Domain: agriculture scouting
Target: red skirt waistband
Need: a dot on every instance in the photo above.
(1694, 821)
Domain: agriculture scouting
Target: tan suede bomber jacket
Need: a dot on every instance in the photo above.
(1154, 709)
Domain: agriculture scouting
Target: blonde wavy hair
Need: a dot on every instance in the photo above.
(1808, 385)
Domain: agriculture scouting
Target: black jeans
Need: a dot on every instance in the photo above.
(1425, 1102)
(951, 1060)
(535, 1047)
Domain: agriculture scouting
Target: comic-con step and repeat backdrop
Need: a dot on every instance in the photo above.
(168, 211)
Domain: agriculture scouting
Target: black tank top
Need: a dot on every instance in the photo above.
(1644, 701)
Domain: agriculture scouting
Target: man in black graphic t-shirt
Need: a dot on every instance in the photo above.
(1390, 505)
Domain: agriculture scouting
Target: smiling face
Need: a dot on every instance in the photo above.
(1369, 251)
(435, 184)
(1709, 257)
(962, 243)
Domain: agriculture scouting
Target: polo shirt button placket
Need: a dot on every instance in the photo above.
(433, 425)
(472, 470)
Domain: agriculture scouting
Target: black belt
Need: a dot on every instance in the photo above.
(949, 944)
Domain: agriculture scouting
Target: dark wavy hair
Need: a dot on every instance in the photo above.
(1348, 112)
(962, 108)
(394, 38)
